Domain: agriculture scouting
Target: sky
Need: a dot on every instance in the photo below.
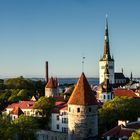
(62, 31)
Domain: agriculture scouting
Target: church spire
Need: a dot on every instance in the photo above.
(106, 55)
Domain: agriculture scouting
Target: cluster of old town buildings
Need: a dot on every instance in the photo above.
(77, 119)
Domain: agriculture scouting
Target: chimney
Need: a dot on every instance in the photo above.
(47, 72)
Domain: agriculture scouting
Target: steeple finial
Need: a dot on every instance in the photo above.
(122, 70)
(83, 58)
(106, 25)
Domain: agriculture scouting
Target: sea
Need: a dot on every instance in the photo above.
(62, 81)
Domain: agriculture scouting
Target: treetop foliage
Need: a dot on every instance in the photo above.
(120, 108)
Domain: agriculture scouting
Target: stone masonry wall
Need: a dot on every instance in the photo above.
(51, 135)
(82, 124)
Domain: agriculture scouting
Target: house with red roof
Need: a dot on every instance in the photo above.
(26, 107)
(15, 113)
(59, 117)
(125, 92)
(122, 131)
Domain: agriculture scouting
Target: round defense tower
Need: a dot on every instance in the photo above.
(51, 88)
(82, 112)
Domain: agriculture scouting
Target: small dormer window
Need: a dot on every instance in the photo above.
(78, 109)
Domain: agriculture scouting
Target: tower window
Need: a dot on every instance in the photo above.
(78, 109)
(104, 96)
(69, 109)
(89, 109)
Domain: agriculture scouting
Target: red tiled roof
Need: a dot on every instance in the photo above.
(82, 94)
(51, 83)
(113, 132)
(126, 132)
(121, 130)
(59, 106)
(17, 111)
(60, 98)
(125, 92)
(22, 105)
(64, 108)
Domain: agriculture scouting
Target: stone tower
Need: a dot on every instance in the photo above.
(106, 59)
(82, 112)
(51, 88)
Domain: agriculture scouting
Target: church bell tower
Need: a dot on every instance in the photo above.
(106, 59)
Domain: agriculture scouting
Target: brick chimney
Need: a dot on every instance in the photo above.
(47, 72)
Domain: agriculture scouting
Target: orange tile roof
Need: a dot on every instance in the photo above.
(125, 92)
(51, 83)
(17, 111)
(82, 94)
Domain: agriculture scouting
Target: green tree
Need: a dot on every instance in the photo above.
(22, 94)
(6, 128)
(19, 83)
(25, 128)
(45, 106)
(123, 108)
(13, 99)
(135, 135)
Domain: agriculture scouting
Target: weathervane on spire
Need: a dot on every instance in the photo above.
(83, 58)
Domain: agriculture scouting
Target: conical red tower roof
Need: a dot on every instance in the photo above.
(82, 94)
(51, 83)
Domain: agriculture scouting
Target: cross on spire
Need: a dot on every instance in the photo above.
(83, 58)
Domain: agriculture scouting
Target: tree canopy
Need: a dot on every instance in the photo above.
(45, 106)
(17, 89)
(120, 108)
(135, 135)
(24, 128)
(18, 83)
